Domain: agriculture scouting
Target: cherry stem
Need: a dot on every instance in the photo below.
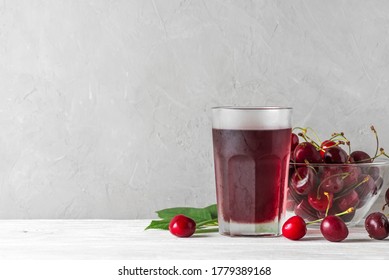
(343, 175)
(328, 199)
(351, 209)
(209, 222)
(304, 135)
(344, 192)
(206, 230)
(377, 141)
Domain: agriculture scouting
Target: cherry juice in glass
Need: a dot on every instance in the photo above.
(251, 156)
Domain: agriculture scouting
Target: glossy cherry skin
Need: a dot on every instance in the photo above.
(332, 180)
(387, 196)
(366, 189)
(294, 228)
(303, 180)
(320, 201)
(351, 175)
(305, 210)
(348, 200)
(325, 145)
(182, 226)
(360, 157)
(386, 199)
(306, 151)
(377, 225)
(335, 155)
(294, 142)
(333, 229)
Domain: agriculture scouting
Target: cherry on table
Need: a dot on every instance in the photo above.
(182, 226)
(294, 228)
(377, 225)
(333, 229)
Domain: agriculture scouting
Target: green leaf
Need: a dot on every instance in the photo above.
(197, 214)
(159, 224)
(206, 216)
(212, 209)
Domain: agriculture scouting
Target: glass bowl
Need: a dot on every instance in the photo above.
(320, 189)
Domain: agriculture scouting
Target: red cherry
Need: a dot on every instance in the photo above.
(306, 151)
(351, 174)
(305, 210)
(325, 145)
(333, 229)
(386, 199)
(335, 155)
(377, 225)
(303, 180)
(294, 142)
(332, 180)
(366, 189)
(294, 228)
(320, 201)
(182, 226)
(360, 157)
(350, 199)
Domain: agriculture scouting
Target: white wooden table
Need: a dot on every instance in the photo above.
(126, 239)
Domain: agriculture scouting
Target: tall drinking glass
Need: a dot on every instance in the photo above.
(251, 155)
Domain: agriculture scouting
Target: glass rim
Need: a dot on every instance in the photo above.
(259, 108)
(378, 162)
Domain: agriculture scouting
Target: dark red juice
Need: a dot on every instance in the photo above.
(250, 168)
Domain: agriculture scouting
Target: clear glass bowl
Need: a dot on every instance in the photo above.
(317, 189)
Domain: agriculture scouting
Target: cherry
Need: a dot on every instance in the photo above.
(333, 229)
(373, 171)
(305, 210)
(387, 196)
(350, 199)
(319, 200)
(352, 174)
(303, 180)
(294, 228)
(360, 157)
(306, 151)
(332, 180)
(365, 189)
(325, 145)
(378, 184)
(182, 226)
(292, 195)
(377, 225)
(386, 199)
(335, 155)
(294, 142)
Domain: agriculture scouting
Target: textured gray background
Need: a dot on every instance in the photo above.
(105, 105)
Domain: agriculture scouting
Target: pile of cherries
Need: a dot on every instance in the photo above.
(327, 185)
